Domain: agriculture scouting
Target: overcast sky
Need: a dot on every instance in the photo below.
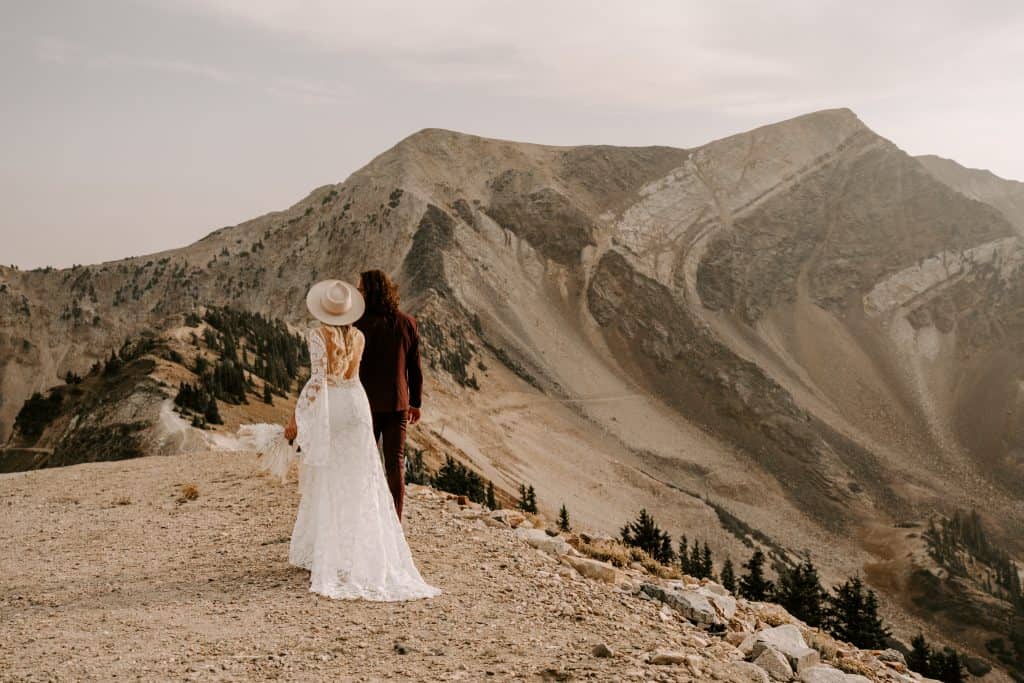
(130, 126)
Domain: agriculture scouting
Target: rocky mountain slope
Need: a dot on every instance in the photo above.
(798, 331)
(113, 573)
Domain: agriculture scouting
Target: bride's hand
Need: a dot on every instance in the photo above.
(291, 430)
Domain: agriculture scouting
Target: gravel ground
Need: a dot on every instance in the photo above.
(109, 574)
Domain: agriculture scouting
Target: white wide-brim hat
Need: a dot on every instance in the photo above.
(335, 302)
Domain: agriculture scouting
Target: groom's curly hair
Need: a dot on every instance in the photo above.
(380, 292)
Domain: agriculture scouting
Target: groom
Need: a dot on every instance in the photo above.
(390, 373)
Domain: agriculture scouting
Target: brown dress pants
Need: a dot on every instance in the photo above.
(389, 428)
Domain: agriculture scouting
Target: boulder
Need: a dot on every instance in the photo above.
(751, 672)
(775, 663)
(787, 640)
(602, 651)
(712, 587)
(540, 540)
(892, 655)
(822, 674)
(592, 569)
(692, 604)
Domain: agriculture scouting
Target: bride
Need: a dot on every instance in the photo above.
(347, 533)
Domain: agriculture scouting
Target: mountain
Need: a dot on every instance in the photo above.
(985, 186)
(798, 338)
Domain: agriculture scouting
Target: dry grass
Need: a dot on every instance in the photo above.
(188, 492)
(536, 520)
(823, 643)
(620, 555)
(773, 615)
(854, 666)
(613, 552)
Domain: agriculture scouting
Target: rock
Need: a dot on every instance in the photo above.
(592, 569)
(787, 640)
(775, 663)
(752, 672)
(667, 657)
(736, 638)
(512, 518)
(746, 646)
(603, 651)
(539, 539)
(695, 663)
(692, 604)
(823, 673)
(712, 587)
(891, 655)
(724, 603)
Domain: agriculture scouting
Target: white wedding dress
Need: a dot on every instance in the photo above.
(347, 533)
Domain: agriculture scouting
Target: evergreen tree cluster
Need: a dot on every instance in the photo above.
(754, 585)
(696, 560)
(644, 533)
(36, 413)
(527, 499)
(454, 477)
(200, 400)
(262, 346)
(852, 615)
(962, 535)
(943, 665)
(800, 592)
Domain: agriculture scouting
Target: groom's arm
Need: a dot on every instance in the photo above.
(414, 375)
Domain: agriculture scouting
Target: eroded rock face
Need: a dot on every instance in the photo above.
(542, 216)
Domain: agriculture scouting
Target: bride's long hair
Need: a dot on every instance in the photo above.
(338, 343)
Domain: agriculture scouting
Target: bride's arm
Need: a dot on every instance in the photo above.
(311, 391)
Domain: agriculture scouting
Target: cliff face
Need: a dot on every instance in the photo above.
(800, 324)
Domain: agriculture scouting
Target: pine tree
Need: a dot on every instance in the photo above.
(696, 564)
(532, 497)
(947, 666)
(707, 567)
(492, 502)
(665, 554)
(454, 477)
(212, 414)
(563, 519)
(684, 556)
(527, 499)
(852, 615)
(800, 592)
(645, 534)
(268, 398)
(753, 584)
(728, 576)
(919, 658)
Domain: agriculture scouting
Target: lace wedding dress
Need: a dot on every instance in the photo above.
(347, 533)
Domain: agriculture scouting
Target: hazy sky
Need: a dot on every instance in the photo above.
(133, 126)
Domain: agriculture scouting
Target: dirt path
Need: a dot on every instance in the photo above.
(107, 576)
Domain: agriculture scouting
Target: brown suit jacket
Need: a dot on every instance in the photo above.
(390, 370)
